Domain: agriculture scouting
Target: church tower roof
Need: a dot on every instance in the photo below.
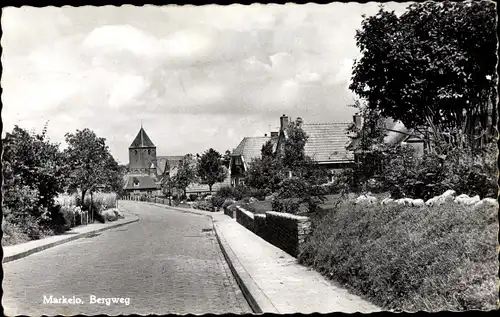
(142, 140)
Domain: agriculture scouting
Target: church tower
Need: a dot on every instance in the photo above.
(142, 155)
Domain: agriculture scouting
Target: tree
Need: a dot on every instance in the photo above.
(434, 66)
(186, 173)
(226, 159)
(210, 168)
(265, 172)
(33, 173)
(293, 152)
(89, 161)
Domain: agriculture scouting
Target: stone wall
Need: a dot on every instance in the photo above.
(245, 218)
(285, 231)
(260, 225)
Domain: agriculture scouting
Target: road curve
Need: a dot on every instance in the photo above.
(168, 262)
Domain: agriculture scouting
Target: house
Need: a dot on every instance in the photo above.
(248, 149)
(326, 145)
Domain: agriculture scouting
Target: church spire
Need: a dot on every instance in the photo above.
(142, 140)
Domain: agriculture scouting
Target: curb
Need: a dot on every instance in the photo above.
(62, 241)
(178, 209)
(257, 300)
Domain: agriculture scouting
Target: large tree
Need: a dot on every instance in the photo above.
(33, 173)
(265, 172)
(210, 168)
(433, 66)
(90, 163)
(186, 173)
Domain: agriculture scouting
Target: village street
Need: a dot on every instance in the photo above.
(168, 262)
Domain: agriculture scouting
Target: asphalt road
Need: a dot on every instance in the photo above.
(168, 262)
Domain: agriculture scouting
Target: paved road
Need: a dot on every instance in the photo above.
(165, 263)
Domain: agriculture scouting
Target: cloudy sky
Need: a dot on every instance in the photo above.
(197, 77)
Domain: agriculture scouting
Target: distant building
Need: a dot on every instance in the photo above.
(326, 145)
(142, 177)
(147, 171)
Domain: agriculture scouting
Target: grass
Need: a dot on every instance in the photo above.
(410, 259)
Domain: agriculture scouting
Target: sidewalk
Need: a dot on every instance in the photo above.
(14, 252)
(272, 280)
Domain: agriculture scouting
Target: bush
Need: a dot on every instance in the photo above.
(203, 205)
(296, 191)
(193, 197)
(440, 258)
(100, 201)
(396, 169)
(218, 201)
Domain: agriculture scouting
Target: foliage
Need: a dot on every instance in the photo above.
(91, 164)
(432, 66)
(293, 151)
(226, 159)
(236, 193)
(265, 173)
(203, 205)
(210, 168)
(186, 173)
(396, 168)
(400, 257)
(296, 191)
(33, 173)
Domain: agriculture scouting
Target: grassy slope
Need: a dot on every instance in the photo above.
(441, 258)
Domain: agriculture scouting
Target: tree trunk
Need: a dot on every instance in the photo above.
(83, 195)
(91, 209)
(210, 188)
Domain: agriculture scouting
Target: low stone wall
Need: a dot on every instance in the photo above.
(245, 218)
(230, 211)
(260, 225)
(286, 231)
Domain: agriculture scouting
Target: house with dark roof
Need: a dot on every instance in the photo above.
(326, 145)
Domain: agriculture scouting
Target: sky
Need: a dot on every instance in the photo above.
(197, 77)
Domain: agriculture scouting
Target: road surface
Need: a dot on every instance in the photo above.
(168, 262)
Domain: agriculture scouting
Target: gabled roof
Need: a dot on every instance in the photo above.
(250, 147)
(142, 140)
(327, 142)
(161, 163)
(142, 181)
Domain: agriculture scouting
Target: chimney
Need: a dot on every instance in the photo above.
(284, 122)
(274, 134)
(357, 120)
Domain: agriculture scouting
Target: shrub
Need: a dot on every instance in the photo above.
(218, 201)
(193, 197)
(296, 191)
(440, 258)
(203, 205)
